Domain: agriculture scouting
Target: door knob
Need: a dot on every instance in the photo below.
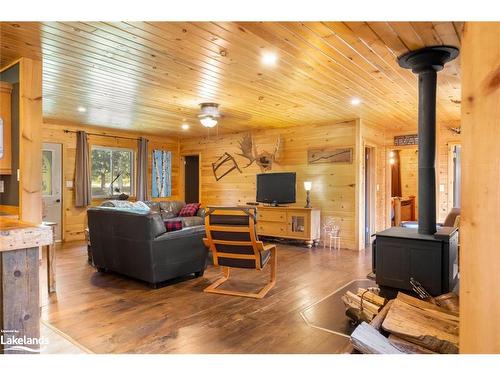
(58, 200)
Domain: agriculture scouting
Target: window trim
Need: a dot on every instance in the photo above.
(132, 167)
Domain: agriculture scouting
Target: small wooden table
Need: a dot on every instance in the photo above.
(51, 258)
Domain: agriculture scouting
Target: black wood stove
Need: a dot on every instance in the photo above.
(424, 254)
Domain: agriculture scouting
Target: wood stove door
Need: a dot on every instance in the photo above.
(400, 259)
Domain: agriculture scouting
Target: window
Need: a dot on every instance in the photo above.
(47, 173)
(112, 171)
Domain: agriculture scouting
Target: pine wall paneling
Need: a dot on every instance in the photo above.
(333, 184)
(75, 219)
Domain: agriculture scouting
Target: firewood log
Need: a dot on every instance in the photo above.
(373, 308)
(425, 327)
(408, 347)
(448, 301)
(368, 340)
(427, 306)
(379, 318)
(355, 305)
(372, 297)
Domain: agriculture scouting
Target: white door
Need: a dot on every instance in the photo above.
(51, 185)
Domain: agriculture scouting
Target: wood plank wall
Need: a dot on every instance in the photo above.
(373, 135)
(333, 184)
(408, 158)
(480, 221)
(446, 140)
(75, 219)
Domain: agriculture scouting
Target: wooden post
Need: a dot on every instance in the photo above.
(19, 284)
(19, 297)
(480, 219)
(30, 141)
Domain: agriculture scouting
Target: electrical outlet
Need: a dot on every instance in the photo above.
(69, 184)
(2, 187)
(378, 187)
(441, 188)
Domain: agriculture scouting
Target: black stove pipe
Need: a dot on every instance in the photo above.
(426, 62)
(427, 152)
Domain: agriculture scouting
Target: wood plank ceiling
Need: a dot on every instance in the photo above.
(151, 76)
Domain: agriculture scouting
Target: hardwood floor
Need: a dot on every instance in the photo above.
(108, 313)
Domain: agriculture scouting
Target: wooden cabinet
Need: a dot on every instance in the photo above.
(290, 222)
(5, 102)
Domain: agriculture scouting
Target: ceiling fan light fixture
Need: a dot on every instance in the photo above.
(209, 114)
(208, 121)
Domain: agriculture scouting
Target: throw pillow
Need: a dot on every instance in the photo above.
(189, 209)
(171, 225)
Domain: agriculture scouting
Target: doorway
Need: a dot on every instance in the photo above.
(457, 175)
(369, 178)
(192, 178)
(51, 185)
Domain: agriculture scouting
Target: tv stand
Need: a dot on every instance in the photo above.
(273, 205)
(296, 223)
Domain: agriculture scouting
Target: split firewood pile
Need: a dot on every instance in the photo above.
(410, 325)
(364, 305)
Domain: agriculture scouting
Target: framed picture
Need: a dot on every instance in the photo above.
(333, 155)
(162, 174)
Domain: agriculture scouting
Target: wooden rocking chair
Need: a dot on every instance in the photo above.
(232, 238)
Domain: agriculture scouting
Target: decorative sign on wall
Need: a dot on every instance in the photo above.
(162, 174)
(334, 155)
(406, 140)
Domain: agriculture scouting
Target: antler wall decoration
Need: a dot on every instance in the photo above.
(227, 163)
(263, 159)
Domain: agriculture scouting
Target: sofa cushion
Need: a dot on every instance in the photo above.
(171, 207)
(167, 215)
(189, 209)
(191, 221)
(154, 206)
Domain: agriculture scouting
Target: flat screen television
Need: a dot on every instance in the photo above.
(276, 188)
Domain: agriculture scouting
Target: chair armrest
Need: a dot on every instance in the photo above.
(268, 246)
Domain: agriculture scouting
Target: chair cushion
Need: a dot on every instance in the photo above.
(189, 209)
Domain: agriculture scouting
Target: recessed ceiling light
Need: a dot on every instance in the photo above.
(82, 109)
(185, 126)
(355, 101)
(269, 58)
